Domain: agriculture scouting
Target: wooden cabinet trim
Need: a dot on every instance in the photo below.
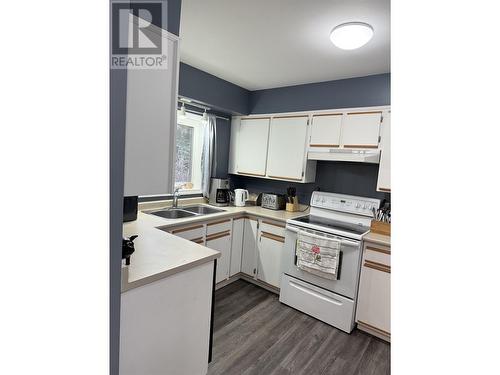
(219, 222)
(379, 250)
(377, 266)
(186, 229)
(364, 113)
(327, 114)
(318, 145)
(273, 223)
(251, 174)
(384, 189)
(218, 235)
(286, 178)
(360, 146)
(292, 116)
(374, 328)
(273, 237)
(198, 240)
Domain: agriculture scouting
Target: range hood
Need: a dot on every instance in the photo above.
(345, 154)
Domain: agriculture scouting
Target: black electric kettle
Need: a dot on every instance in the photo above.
(128, 248)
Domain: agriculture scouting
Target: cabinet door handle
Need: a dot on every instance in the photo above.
(377, 266)
(273, 237)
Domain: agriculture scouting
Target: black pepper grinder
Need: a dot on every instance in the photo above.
(128, 248)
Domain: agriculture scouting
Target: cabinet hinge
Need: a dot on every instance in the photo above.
(254, 271)
(302, 173)
(379, 138)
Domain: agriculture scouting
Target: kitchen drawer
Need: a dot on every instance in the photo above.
(191, 232)
(377, 254)
(272, 227)
(317, 302)
(218, 226)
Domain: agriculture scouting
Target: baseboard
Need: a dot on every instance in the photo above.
(374, 331)
(250, 279)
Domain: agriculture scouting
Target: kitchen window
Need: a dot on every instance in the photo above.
(189, 148)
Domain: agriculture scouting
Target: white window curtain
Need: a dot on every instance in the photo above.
(208, 159)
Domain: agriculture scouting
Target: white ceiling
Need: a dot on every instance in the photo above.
(260, 44)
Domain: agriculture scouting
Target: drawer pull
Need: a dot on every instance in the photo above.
(273, 237)
(186, 229)
(275, 224)
(198, 240)
(219, 222)
(218, 235)
(377, 266)
(383, 251)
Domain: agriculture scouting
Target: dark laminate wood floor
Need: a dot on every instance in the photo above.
(254, 334)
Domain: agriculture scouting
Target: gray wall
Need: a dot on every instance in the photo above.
(207, 88)
(353, 92)
(337, 177)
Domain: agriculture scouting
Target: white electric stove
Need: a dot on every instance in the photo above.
(345, 218)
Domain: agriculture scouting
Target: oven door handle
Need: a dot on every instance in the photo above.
(342, 241)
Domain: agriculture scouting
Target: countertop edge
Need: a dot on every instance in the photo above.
(378, 239)
(126, 286)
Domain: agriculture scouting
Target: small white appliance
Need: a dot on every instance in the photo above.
(240, 196)
(343, 219)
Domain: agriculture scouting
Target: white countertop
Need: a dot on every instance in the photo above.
(159, 254)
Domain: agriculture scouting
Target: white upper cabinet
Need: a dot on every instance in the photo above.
(150, 126)
(325, 130)
(361, 130)
(251, 150)
(233, 145)
(287, 147)
(384, 170)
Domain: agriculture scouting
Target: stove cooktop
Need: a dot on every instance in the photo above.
(355, 229)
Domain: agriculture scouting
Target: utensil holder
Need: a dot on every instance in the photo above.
(293, 207)
(380, 227)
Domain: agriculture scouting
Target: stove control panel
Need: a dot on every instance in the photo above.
(344, 203)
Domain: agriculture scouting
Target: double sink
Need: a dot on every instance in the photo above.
(189, 211)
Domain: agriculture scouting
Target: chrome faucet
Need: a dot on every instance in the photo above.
(176, 198)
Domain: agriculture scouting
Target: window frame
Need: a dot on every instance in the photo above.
(196, 121)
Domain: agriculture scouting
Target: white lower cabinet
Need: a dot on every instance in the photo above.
(269, 251)
(374, 298)
(221, 242)
(236, 246)
(249, 249)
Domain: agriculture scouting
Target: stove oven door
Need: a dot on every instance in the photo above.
(348, 274)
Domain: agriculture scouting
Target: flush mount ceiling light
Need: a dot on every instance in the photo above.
(351, 35)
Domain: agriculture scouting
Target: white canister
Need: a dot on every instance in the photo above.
(240, 196)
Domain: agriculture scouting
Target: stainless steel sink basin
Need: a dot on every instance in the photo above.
(178, 213)
(172, 213)
(202, 210)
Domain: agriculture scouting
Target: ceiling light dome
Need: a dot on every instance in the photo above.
(351, 35)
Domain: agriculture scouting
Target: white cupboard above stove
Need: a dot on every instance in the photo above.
(346, 135)
(361, 130)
